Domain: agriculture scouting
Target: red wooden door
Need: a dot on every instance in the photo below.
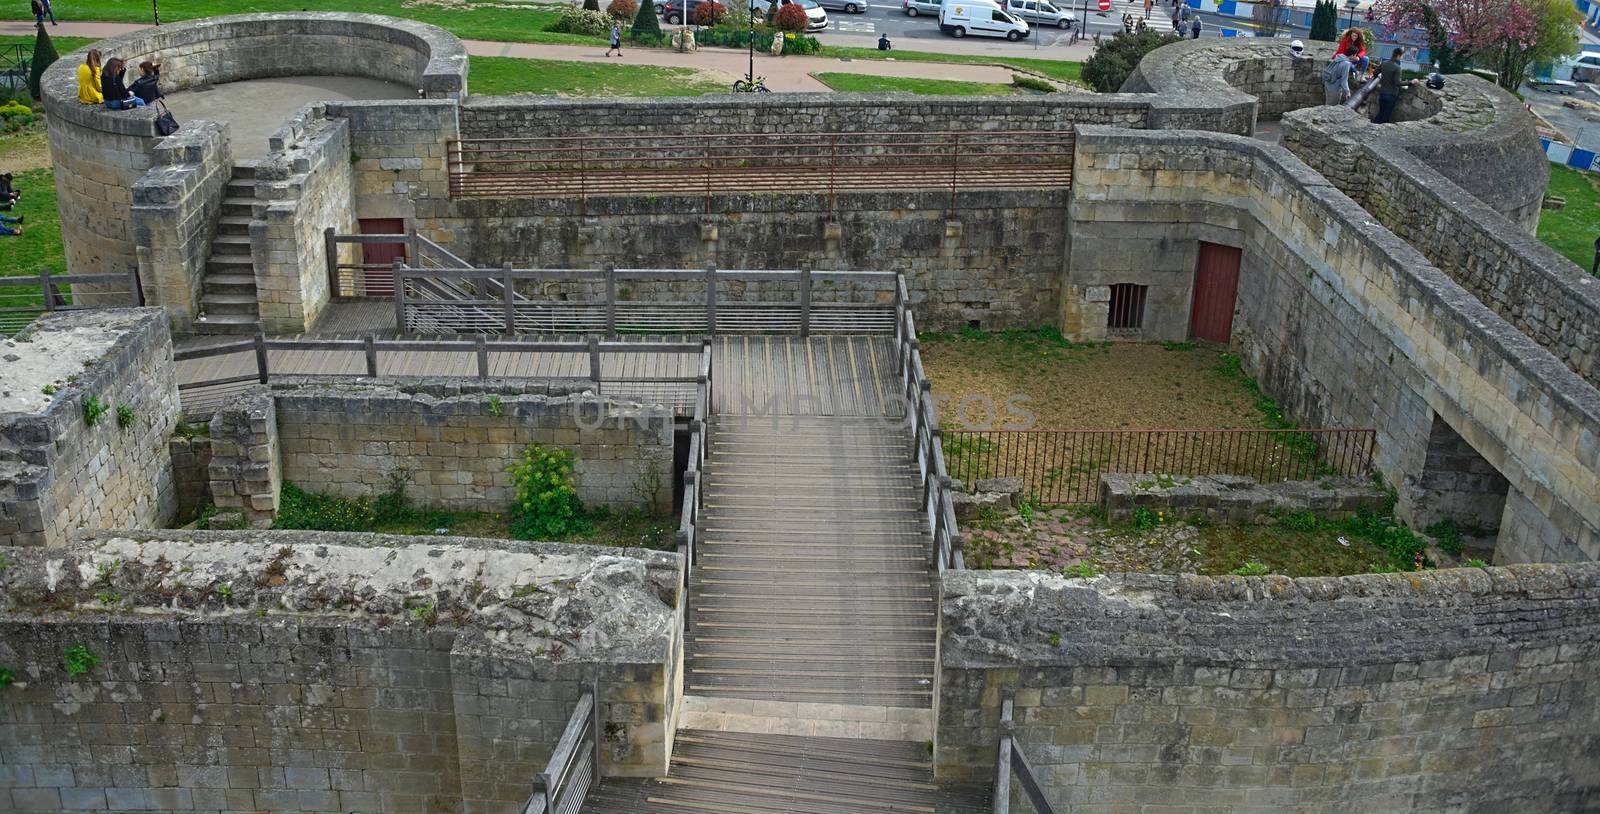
(378, 258)
(1216, 287)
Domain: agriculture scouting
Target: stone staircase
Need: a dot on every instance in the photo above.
(228, 298)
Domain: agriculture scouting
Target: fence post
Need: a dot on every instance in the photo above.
(711, 299)
(330, 247)
(399, 295)
(482, 347)
(955, 163)
(370, 348)
(413, 247)
(594, 710)
(509, 292)
(611, 300)
(594, 360)
(261, 356)
(805, 300)
(46, 290)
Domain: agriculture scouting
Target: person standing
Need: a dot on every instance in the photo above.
(1336, 80)
(1194, 27)
(616, 39)
(1388, 87)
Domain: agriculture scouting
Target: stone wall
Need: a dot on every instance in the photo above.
(303, 187)
(191, 475)
(1348, 326)
(175, 209)
(278, 671)
(1393, 692)
(58, 472)
(1526, 282)
(398, 150)
(99, 154)
(245, 470)
(456, 448)
(1235, 498)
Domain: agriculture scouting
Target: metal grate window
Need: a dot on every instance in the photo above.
(1127, 308)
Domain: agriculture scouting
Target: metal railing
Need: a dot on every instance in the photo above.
(831, 163)
(926, 435)
(482, 300)
(1064, 466)
(574, 766)
(24, 299)
(699, 448)
(197, 395)
(1011, 762)
(15, 61)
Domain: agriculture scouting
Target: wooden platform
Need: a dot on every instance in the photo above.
(816, 376)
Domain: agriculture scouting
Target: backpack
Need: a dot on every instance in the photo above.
(1328, 75)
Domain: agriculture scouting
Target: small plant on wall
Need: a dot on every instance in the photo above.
(547, 505)
(93, 409)
(78, 660)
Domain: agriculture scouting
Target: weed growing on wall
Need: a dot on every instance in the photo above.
(547, 505)
(1251, 569)
(124, 416)
(6, 677)
(78, 660)
(93, 409)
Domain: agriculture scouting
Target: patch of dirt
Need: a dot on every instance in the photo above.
(27, 150)
(1099, 386)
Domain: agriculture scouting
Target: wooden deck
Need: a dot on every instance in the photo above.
(816, 376)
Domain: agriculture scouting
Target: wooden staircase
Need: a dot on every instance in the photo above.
(228, 302)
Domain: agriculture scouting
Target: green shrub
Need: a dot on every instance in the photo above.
(299, 509)
(791, 18)
(1475, 563)
(1082, 570)
(547, 505)
(93, 409)
(800, 44)
(591, 5)
(584, 21)
(1113, 62)
(1144, 519)
(78, 660)
(622, 10)
(1301, 521)
(645, 24)
(44, 55)
(1252, 569)
(125, 416)
(1447, 534)
(1032, 83)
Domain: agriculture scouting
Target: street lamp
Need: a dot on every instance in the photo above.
(1350, 22)
(751, 76)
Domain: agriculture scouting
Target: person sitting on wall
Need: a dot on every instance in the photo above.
(883, 42)
(147, 86)
(1354, 45)
(89, 79)
(117, 95)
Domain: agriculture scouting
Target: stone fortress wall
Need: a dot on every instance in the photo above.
(303, 671)
(58, 472)
(1464, 688)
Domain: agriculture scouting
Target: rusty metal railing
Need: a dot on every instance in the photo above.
(1064, 466)
(582, 167)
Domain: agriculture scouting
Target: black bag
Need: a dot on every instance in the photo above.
(166, 124)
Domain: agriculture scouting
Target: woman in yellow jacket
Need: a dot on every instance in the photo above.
(89, 80)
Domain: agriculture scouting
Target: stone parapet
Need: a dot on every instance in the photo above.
(1234, 498)
(246, 464)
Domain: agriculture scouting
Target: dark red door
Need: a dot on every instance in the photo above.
(378, 258)
(1216, 286)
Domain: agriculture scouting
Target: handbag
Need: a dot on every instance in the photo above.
(166, 124)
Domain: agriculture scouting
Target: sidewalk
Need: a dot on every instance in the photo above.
(790, 73)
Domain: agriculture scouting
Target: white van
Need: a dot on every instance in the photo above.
(983, 18)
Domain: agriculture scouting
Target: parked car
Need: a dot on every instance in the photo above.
(1041, 11)
(913, 8)
(847, 6)
(816, 18)
(672, 10)
(982, 18)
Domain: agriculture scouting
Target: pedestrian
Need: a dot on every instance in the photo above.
(1388, 87)
(48, 9)
(38, 12)
(116, 94)
(1194, 27)
(616, 39)
(883, 43)
(89, 79)
(1148, 6)
(1336, 80)
(147, 86)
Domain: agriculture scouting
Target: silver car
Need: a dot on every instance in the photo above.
(1042, 12)
(913, 8)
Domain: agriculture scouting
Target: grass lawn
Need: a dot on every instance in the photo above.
(1061, 69)
(1573, 229)
(503, 76)
(927, 87)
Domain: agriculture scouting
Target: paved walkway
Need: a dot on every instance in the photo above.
(791, 73)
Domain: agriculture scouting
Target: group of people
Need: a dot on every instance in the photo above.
(9, 196)
(41, 10)
(1185, 20)
(1350, 64)
(103, 84)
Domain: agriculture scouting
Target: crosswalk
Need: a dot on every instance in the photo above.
(856, 26)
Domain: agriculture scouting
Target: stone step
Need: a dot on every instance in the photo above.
(230, 245)
(802, 718)
(230, 284)
(238, 207)
(240, 188)
(216, 305)
(233, 225)
(227, 324)
(230, 264)
(244, 172)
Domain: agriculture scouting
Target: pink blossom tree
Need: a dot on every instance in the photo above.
(1507, 36)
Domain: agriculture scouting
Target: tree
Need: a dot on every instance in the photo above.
(1113, 62)
(591, 5)
(623, 10)
(645, 22)
(1554, 36)
(44, 53)
(791, 17)
(708, 14)
(1507, 35)
(1325, 21)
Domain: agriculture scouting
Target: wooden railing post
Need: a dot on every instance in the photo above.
(482, 349)
(805, 300)
(261, 357)
(330, 247)
(509, 292)
(711, 299)
(594, 360)
(369, 348)
(413, 247)
(598, 720)
(46, 290)
(399, 295)
(611, 300)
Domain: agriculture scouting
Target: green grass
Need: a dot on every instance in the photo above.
(1061, 69)
(927, 87)
(503, 76)
(1573, 229)
(62, 44)
(39, 246)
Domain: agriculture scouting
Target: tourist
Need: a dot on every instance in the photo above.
(8, 231)
(883, 43)
(89, 79)
(1336, 80)
(1194, 27)
(1388, 87)
(147, 86)
(41, 10)
(8, 194)
(616, 39)
(1354, 45)
(111, 87)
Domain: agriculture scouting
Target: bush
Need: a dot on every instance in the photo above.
(592, 23)
(622, 10)
(1113, 62)
(547, 505)
(800, 44)
(708, 13)
(791, 18)
(299, 509)
(1032, 83)
(645, 24)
